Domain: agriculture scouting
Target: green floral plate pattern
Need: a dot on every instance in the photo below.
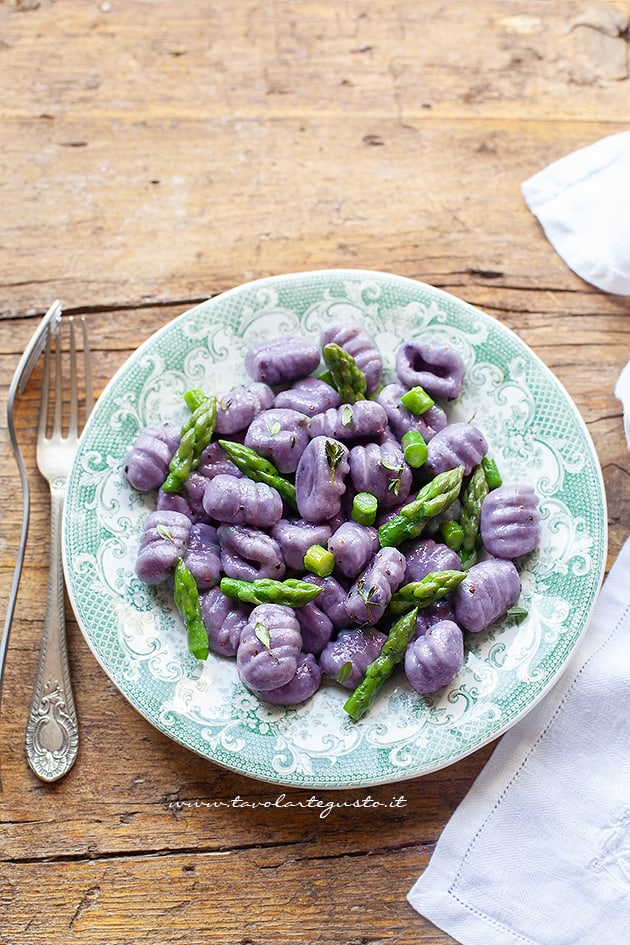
(536, 435)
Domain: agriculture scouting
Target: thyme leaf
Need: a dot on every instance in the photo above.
(335, 452)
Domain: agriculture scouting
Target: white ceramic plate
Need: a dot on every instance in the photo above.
(536, 435)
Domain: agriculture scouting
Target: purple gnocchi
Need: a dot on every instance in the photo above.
(237, 407)
(163, 541)
(434, 659)
(309, 396)
(269, 647)
(248, 553)
(487, 592)
(459, 444)
(320, 479)
(214, 462)
(427, 616)
(365, 418)
(357, 343)
(510, 521)
(303, 684)
(148, 458)
(282, 359)
(224, 620)
(203, 556)
(280, 435)
(401, 420)
(222, 522)
(371, 593)
(242, 502)
(435, 366)
(425, 555)
(355, 647)
(295, 537)
(316, 626)
(332, 598)
(353, 545)
(189, 501)
(381, 470)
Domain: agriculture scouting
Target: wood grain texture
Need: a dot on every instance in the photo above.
(154, 153)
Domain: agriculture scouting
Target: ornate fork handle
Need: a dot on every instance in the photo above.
(52, 733)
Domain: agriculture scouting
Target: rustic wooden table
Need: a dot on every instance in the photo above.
(157, 153)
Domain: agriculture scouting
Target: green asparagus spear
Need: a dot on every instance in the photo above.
(473, 495)
(259, 469)
(432, 499)
(364, 508)
(417, 400)
(319, 560)
(195, 435)
(347, 376)
(433, 586)
(291, 593)
(452, 534)
(186, 597)
(493, 476)
(414, 448)
(380, 669)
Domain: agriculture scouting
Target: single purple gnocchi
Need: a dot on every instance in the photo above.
(148, 458)
(295, 537)
(371, 593)
(309, 396)
(203, 555)
(459, 444)
(248, 553)
(214, 462)
(303, 684)
(332, 598)
(357, 343)
(510, 521)
(163, 541)
(353, 545)
(316, 626)
(282, 359)
(425, 555)
(321, 617)
(433, 659)
(428, 616)
(224, 620)
(357, 421)
(487, 592)
(401, 420)
(320, 479)
(355, 646)
(381, 470)
(242, 502)
(269, 647)
(236, 408)
(436, 367)
(189, 501)
(280, 435)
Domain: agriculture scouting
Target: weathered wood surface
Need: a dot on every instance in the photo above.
(155, 153)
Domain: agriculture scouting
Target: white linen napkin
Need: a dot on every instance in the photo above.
(538, 853)
(583, 204)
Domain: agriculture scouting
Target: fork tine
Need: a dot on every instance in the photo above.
(43, 402)
(73, 418)
(87, 367)
(57, 412)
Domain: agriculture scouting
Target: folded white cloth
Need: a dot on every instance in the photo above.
(538, 853)
(583, 204)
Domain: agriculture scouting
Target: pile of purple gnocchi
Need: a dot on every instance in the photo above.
(317, 525)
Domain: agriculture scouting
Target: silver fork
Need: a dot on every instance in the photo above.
(52, 732)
